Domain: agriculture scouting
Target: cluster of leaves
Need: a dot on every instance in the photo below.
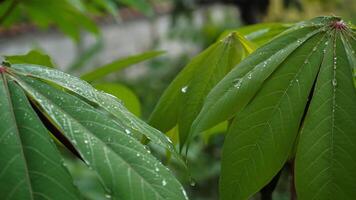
(285, 91)
(293, 98)
(37, 102)
(68, 15)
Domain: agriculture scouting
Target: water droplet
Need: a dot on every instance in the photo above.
(237, 83)
(157, 169)
(86, 141)
(326, 43)
(184, 89)
(138, 155)
(249, 76)
(334, 82)
(164, 182)
(108, 196)
(127, 131)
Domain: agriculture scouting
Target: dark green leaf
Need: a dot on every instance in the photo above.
(126, 169)
(325, 160)
(30, 165)
(268, 95)
(108, 102)
(235, 91)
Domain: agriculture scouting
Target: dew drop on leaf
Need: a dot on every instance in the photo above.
(334, 82)
(164, 182)
(184, 89)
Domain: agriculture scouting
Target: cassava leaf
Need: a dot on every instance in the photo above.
(325, 159)
(183, 99)
(126, 168)
(87, 124)
(30, 165)
(108, 102)
(268, 98)
(235, 91)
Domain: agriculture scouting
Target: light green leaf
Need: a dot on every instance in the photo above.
(325, 160)
(183, 99)
(125, 94)
(30, 165)
(119, 64)
(127, 169)
(33, 57)
(260, 34)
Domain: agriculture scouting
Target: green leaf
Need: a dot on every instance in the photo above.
(262, 135)
(183, 99)
(86, 121)
(125, 167)
(30, 165)
(127, 96)
(119, 64)
(325, 160)
(35, 57)
(268, 96)
(235, 91)
(67, 17)
(107, 102)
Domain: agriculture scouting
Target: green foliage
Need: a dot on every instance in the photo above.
(183, 99)
(32, 57)
(119, 64)
(92, 124)
(301, 82)
(70, 16)
(203, 73)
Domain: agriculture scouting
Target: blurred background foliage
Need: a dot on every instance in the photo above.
(113, 45)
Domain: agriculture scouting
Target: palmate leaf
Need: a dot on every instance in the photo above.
(124, 166)
(183, 99)
(111, 104)
(325, 159)
(30, 165)
(268, 94)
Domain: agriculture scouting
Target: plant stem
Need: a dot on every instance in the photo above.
(9, 10)
(267, 191)
(293, 194)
